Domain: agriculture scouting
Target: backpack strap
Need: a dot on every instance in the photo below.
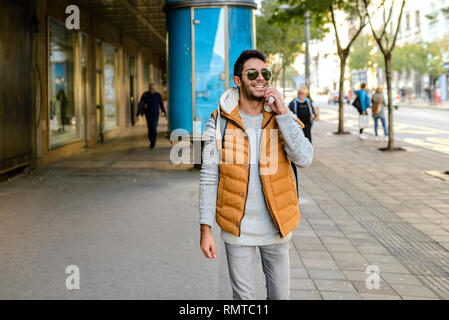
(223, 124)
(309, 104)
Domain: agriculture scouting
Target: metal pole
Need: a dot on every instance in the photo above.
(307, 35)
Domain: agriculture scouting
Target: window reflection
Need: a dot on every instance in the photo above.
(62, 117)
(110, 103)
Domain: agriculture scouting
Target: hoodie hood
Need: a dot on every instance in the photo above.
(229, 100)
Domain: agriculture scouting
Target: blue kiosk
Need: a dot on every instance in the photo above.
(205, 39)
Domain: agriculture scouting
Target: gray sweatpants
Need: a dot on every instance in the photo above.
(275, 265)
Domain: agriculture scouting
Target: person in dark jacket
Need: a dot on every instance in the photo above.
(152, 101)
(304, 110)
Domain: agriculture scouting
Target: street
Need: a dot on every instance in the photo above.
(416, 126)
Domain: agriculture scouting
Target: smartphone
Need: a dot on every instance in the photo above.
(270, 99)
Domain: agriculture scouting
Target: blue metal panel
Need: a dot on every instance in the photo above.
(240, 35)
(209, 62)
(179, 69)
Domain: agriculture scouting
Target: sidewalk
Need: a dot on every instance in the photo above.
(424, 104)
(129, 219)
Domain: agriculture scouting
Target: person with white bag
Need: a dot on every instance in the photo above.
(364, 105)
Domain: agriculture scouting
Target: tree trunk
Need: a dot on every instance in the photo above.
(341, 118)
(283, 79)
(387, 58)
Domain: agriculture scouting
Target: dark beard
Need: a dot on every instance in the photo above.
(248, 94)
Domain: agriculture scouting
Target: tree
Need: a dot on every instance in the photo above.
(386, 43)
(324, 11)
(361, 53)
(435, 58)
(280, 39)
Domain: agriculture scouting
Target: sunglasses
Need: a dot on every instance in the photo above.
(253, 74)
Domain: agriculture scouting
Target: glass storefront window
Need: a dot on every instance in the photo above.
(63, 114)
(110, 97)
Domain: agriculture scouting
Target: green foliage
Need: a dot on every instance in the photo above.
(280, 34)
(435, 56)
(361, 54)
(425, 58)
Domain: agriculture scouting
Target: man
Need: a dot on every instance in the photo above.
(254, 202)
(303, 108)
(152, 102)
(364, 104)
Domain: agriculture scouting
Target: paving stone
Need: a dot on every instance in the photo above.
(356, 275)
(318, 255)
(352, 266)
(326, 274)
(339, 295)
(384, 288)
(320, 264)
(304, 233)
(413, 290)
(304, 295)
(296, 262)
(370, 249)
(308, 246)
(440, 238)
(371, 296)
(333, 240)
(380, 258)
(392, 268)
(418, 298)
(400, 278)
(336, 247)
(300, 273)
(360, 235)
(361, 242)
(334, 285)
(302, 284)
(329, 233)
(348, 256)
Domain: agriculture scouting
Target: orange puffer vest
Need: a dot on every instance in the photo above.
(278, 183)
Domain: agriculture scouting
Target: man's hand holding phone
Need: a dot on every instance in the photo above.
(274, 100)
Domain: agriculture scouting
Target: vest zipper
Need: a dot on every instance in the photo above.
(266, 202)
(246, 198)
(247, 185)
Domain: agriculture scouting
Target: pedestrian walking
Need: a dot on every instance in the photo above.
(254, 203)
(303, 108)
(378, 112)
(151, 101)
(364, 100)
(410, 95)
(307, 93)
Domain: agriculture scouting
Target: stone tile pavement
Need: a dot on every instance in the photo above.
(363, 207)
(129, 219)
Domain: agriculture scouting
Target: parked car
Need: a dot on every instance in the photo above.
(333, 98)
(394, 97)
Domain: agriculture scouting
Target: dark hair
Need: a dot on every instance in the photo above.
(363, 85)
(245, 56)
